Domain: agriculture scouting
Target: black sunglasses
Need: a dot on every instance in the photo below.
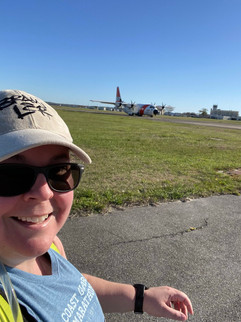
(16, 179)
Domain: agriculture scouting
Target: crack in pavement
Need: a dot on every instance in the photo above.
(190, 229)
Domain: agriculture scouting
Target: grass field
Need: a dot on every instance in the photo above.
(137, 161)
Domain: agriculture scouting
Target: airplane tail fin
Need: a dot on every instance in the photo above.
(118, 101)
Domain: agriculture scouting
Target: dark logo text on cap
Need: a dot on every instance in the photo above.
(23, 105)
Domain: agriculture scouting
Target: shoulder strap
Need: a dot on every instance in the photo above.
(5, 310)
(54, 247)
(6, 313)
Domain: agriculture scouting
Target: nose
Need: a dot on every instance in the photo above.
(40, 190)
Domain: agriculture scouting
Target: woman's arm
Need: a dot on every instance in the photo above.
(113, 297)
(160, 301)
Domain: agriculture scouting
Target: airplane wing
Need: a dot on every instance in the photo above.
(103, 102)
(127, 104)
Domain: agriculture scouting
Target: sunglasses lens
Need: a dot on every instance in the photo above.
(64, 177)
(15, 179)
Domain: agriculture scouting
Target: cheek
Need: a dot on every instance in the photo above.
(8, 207)
(7, 204)
(65, 201)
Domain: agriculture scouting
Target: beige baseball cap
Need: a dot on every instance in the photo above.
(27, 122)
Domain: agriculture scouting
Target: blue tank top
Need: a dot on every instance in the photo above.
(63, 296)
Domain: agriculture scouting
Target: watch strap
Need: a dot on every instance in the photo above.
(140, 288)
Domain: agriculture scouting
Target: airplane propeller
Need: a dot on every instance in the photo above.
(161, 107)
(132, 104)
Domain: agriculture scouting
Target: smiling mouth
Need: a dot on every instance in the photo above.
(33, 220)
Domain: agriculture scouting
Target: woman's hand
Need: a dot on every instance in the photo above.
(167, 302)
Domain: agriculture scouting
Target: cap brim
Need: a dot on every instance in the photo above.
(16, 142)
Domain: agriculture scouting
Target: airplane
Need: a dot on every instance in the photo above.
(132, 108)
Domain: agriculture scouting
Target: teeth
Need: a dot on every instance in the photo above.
(34, 219)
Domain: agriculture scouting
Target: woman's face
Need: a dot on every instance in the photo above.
(30, 221)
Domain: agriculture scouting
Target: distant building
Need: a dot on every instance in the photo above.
(101, 108)
(105, 108)
(216, 113)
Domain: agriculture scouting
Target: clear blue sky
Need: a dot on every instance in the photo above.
(185, 53)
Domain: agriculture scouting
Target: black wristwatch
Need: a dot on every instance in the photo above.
(140, 288)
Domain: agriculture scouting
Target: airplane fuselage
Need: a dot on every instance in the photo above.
(141, 109)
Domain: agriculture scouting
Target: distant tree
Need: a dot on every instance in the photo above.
(203, 112)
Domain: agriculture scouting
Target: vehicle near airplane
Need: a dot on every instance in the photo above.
(132, 108)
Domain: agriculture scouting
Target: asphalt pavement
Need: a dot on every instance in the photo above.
(194, 246)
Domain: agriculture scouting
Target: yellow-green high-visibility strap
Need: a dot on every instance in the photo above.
(11, 298)
(54, 247)
(5, 311)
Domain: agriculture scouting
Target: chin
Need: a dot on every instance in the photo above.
(36, 247)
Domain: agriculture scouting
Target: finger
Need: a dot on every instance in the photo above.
(180, 306)
(174, 314)
(183, 309)
(176, 306)
(188, 305)
(182, 298)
